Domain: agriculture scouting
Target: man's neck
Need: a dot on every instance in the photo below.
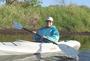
(48, 26)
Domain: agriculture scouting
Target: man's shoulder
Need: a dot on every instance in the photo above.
(53, 27)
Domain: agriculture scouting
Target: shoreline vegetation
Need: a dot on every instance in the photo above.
(15, 31)
(69, 18)
(72, 21)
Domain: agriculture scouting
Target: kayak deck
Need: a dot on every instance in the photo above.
(25, 47)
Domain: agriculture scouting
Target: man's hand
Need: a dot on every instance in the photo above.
(34, 32)
(45, 37)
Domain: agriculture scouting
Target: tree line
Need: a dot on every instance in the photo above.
(29, 2)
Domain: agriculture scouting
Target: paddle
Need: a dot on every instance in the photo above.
(67, 50)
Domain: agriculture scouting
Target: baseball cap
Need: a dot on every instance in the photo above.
(49, 19)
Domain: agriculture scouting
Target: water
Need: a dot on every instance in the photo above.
(83, 56)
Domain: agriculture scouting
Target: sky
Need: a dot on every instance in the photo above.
(2, 2)
(53, 2)
(78, 2)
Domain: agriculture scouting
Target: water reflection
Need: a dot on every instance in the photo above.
(84, 56)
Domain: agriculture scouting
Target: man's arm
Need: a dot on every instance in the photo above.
(54, 37)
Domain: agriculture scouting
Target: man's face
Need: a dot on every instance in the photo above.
(49, 23)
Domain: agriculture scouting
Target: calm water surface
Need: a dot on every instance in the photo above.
(83, 56)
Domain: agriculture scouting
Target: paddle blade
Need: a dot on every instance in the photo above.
(17, 25)
(68, 51)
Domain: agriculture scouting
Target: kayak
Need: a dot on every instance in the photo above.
(27, 48)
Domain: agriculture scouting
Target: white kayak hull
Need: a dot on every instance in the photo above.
(31, 51)
(22, 47)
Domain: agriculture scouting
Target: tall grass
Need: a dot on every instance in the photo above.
(69, 18)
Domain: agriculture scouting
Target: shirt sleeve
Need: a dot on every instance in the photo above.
(55, 36)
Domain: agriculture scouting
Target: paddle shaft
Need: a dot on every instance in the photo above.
(27, 30)
(38, 35)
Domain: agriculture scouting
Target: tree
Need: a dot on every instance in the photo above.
(33, 2)
(30, 2)
(10, 1)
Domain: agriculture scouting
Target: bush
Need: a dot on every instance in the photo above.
(69, 18)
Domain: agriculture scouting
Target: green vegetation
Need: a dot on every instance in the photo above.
(84, 40)
(69, 18)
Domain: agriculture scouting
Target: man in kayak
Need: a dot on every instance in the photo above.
(47, 33)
